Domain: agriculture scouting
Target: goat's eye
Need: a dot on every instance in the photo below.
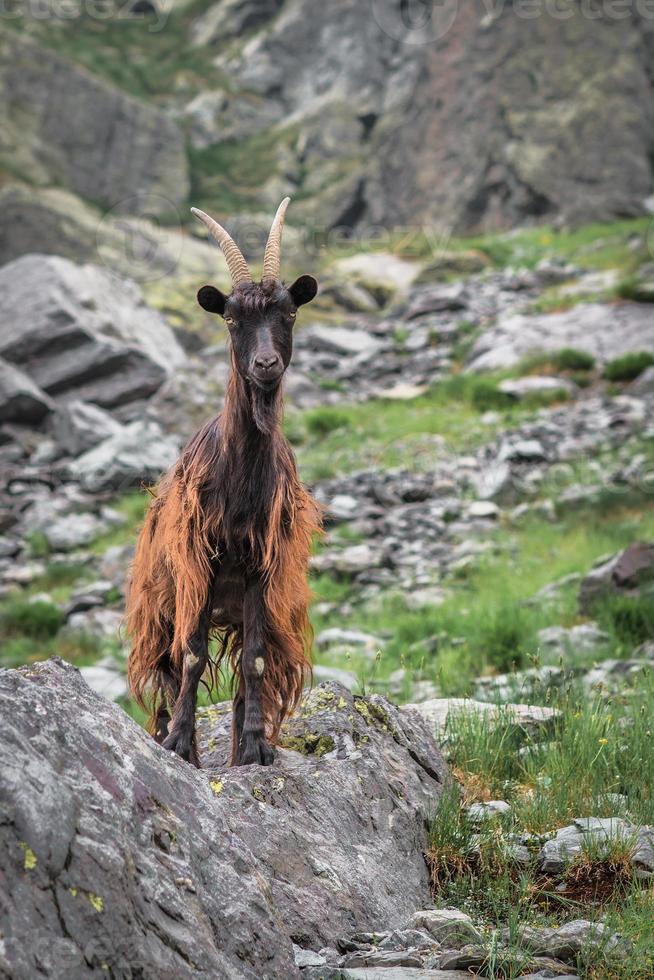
(230, 321)
(292, 314)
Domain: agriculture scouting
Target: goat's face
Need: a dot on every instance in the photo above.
(260, 318)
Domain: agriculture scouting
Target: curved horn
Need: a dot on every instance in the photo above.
(238, 267)
(272, 257)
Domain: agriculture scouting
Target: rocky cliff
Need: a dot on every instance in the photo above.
(469, 116)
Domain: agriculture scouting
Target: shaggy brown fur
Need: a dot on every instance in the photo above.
(231, 511)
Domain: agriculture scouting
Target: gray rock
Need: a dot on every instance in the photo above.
(71, 531)
(383, 958)
(79, 426)
(449, 927)
(335, 636)
(321, 673)
(572, 938)
(82, 334)
(520, 388)
(105, 678)
(439, 712)
(138, 454)
(392, 973)
(628, 573)
(482, 812)
(584, 638)
(341, 340)
(63, 126)
(111, 845)
(20, 399)
(103, 624)
(605, 331)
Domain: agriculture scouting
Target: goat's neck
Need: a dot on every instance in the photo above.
(252, 417)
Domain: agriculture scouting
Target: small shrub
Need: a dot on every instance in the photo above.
(321, 421)
(39, 620)
(38, 545)
(485, 395)
(630, 618)
(571, 359)
(629, 366)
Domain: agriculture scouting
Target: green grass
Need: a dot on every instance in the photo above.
(629, 366)
(487, 624)
(596, 749)
(384, 433)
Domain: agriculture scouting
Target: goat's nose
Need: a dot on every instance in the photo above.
(266, 361)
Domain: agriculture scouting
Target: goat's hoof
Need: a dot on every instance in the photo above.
(254, 751)
(181, 743)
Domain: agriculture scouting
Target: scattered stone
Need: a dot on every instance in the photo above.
(449, 927)
(586, 638)
(482, 812)
(104, 624)
(439, 713)
(628, 573)
(520, 388)
(72, 531)
(138, 454)
(568, 941)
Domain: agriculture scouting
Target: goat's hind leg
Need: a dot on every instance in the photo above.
(181, 729)
(252, 747)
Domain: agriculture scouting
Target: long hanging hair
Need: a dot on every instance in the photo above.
(223, 496)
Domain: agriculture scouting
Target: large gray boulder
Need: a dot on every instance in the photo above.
(62, 126)
(603, 330)
(20, 399)
(79, 332)
(121, 860)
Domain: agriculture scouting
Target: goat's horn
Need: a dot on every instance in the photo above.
(272, 257)
(233, 255)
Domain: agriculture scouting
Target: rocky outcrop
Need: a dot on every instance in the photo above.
(20, 399)
(605, 331)
(54, 221)
(61, 126)
(380, 115)
(134, 455)
(121, 860)
(80, 333)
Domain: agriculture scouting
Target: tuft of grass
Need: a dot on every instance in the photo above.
(321, 421)
(629, 366)
(571, 359)
(629, 618)
(38, 620)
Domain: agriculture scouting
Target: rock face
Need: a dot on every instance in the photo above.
(80, 333)
(62, 126)
(629, 573)
(434, 113)
(20, 399)
(137, 453)
(120, 859)
(602, 330)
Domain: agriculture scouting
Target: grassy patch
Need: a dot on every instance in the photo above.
(597, 749)
(629, 366)
(37, 620)
(488, 623)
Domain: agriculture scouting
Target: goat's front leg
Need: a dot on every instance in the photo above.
(252, 746)
(181, 729)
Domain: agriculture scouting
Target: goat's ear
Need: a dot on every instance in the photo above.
(303, 290)
(212, 300)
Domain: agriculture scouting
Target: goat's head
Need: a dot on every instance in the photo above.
(260, 316)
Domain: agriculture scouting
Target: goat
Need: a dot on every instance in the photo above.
(226, 542)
